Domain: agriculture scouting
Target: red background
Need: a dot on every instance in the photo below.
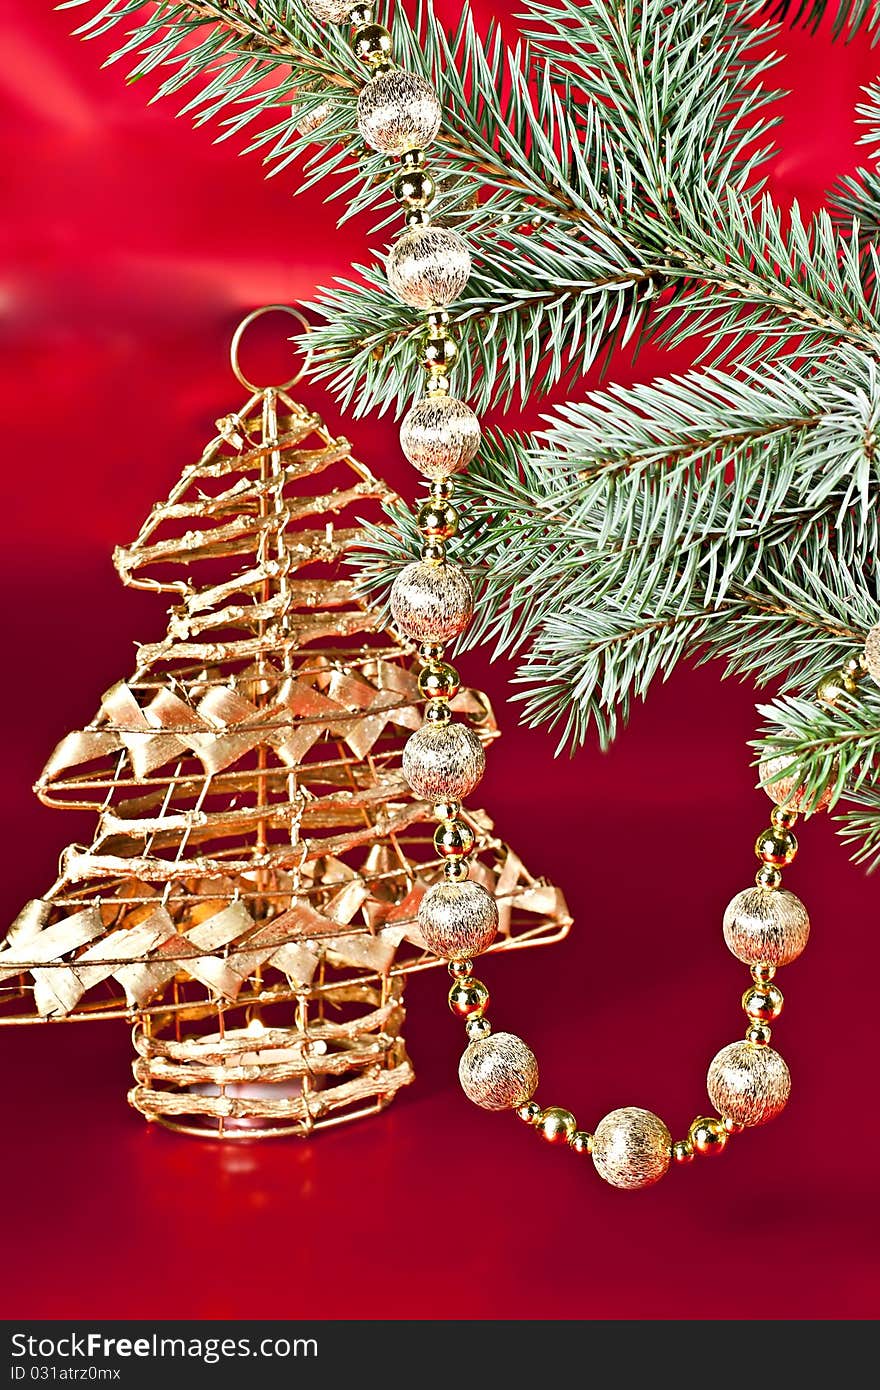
(132, 246)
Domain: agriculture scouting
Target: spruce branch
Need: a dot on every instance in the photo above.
(849, 15)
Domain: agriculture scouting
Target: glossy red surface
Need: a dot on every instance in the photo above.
(131, 245)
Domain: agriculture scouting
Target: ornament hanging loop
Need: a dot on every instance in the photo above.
(236, 344)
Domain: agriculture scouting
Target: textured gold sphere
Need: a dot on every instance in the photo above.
(468, 997)
(330, 11)
(443, 761)
(499, 1073)
(764, 1003)
(397, 112)
(786, 790)
(557, 1126)
(458, 919)
(707, 1135)
(683, 1151)
(777, 847)
(432, 603)
(872, 654)
(749, 1084)
(582, 1141)
(530, 1113)
(440, 435)
(766, 927)
(428, 267)
(632, 1148)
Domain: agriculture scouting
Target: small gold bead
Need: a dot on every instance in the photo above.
(440, 520)
(439, 385)
(468, 996)
(439, 681)
(447, 810)
(477, 1027)
(442, 488)
(456, 870)
(417, 217)
(768, 877)
(460, 969)
(763, 1003)
(682, 1151)
(582, 1141)
(759, 1034)
(762, 973)
(437, 712)
(782, 818)
(854, 666)
(777, 847)
(453, 839)
(412, 159)
(707, 1135)
(434, 552)
(557, 1126)
(733, 1126)
(361, 14)
(530, 1113)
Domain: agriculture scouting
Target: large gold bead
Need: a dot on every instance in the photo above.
(468, 996)
(632, 1148)
(763, 1003)
(707, 1135)
(498, 1073)
(443, 762)
(776, 847)
(458, 920)
(766, 926)
(432, 602)
(454, 839)
(557, 1126)
(748, 1083)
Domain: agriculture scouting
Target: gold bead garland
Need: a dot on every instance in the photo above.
(765, 927)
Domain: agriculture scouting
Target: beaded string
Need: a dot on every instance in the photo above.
(765, 926)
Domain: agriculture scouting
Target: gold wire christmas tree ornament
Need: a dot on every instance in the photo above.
(765, 926)
(250, 900)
